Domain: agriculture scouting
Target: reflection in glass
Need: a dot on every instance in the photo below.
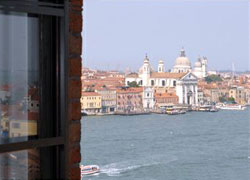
(19, 93)
(20, 165)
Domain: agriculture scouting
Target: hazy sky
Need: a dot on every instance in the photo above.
(118, 33)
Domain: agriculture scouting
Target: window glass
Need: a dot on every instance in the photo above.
(163, 83)
(152, 83)
(19, 71)
(20, 165)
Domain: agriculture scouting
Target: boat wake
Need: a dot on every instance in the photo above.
(117, 169)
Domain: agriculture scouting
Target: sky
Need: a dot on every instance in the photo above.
(118, 33)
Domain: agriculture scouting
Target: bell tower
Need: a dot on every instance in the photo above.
(145, 71)
(146, 65)
(161, 66)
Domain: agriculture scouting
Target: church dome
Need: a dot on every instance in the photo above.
(146, 60)
(197, 64)
(161, 62)
(182, 60)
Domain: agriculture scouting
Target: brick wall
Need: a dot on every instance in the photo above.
(74, 88)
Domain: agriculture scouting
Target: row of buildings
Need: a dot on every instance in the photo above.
(126, 99)
(183, 85)
(139, 99)
(223, 91)
(157, 88)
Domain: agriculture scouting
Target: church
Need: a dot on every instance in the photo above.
(182, 78)
(182, 64)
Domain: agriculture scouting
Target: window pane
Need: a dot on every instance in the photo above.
(20, 165)
(19, 72)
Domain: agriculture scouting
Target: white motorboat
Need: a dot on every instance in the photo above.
(90, 169)
(205, 108)
(175, 112)
(232, 107)
(214, 109)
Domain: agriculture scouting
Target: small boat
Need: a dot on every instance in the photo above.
(90, 169)
(213, 110)
(176, 112)
(84, 113)
(205, 108)
(182, 112)
(232, 107)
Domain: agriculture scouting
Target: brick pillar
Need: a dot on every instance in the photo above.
(74, 88)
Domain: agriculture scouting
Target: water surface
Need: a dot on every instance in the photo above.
(193, 146)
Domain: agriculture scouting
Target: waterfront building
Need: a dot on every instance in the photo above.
(91, 102)
(129, 100)
(207, 98)
(187, 89)
(184, 82)
(238, 93)
(165, 99)
(200, 97)
(148, 98)
(247, 94)
(224, 92)
(109, 82)
(213, 93)
(108, 96)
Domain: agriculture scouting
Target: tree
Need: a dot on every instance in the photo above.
(222, 99)
(213, 78)
(231, 99)
(133, 84)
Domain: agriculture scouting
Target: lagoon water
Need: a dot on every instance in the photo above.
(193, 146)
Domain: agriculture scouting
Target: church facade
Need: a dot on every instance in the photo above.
(182, 78)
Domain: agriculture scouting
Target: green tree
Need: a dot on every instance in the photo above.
(222, 99)
(133, 84)
(231, 99)
(213, 78)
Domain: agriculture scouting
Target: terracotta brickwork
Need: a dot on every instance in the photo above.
(74, 88)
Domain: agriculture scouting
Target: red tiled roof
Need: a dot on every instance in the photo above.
(101, 88)
(132, 75)
(165, 95)
(130, 90)
(167, 75)
(90, 94)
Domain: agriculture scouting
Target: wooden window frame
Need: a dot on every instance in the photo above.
(52, 143)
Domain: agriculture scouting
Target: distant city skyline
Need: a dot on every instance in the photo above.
(117, 34)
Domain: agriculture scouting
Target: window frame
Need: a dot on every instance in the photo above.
(54, 146)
